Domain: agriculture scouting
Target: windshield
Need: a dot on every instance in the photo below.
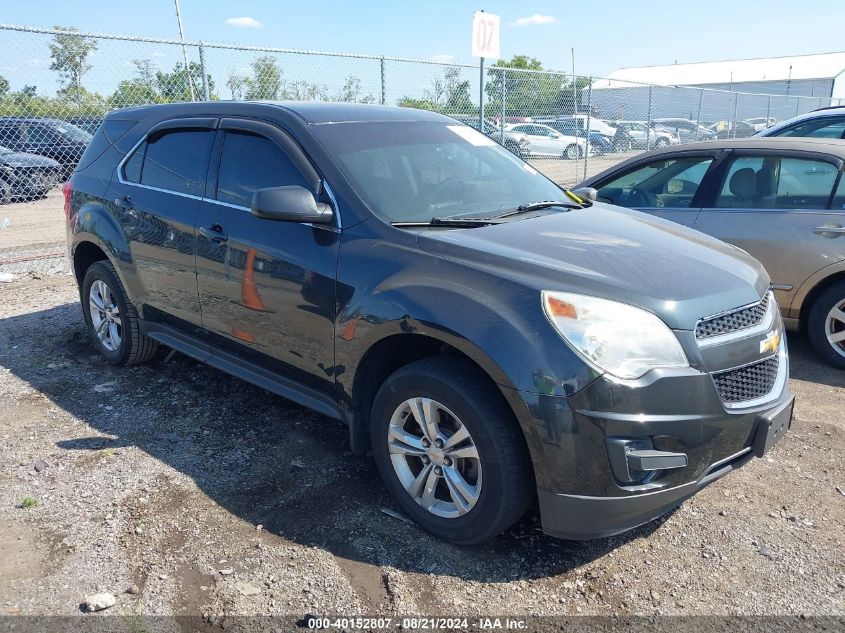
(411, 172)
(69, 130)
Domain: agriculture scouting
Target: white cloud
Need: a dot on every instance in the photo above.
(245, 21)
(442, 58)
(537, 18)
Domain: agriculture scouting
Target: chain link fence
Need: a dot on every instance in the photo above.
(56, 85)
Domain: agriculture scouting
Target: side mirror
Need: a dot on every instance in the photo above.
(586, 193)
(290, 204)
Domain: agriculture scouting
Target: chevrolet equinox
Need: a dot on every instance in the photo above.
(488, 336)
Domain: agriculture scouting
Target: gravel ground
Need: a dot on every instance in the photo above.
(181, 490)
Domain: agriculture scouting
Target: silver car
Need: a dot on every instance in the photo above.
(780, 199)
(544, 141)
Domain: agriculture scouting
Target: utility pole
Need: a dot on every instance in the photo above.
(184, 51)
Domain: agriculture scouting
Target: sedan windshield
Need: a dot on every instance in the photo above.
(72, 132)
(411, 172)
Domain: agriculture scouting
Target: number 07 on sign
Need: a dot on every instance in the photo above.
(485, 35)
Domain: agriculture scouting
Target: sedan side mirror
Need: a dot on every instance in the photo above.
(290, 204)
(586, 193)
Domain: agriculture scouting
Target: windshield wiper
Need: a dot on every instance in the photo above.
(454, 222)
(534, 206)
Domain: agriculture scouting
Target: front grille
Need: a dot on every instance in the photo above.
(747, 383)
(732, 321)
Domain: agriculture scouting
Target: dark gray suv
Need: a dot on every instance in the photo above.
(486, 335)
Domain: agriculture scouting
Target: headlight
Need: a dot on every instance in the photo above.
(614, 337)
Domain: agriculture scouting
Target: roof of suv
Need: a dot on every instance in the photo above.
(313, 113)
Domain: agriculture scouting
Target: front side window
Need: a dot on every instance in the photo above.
(668, 183)
(411, 172)
(250, 162)
(177, 161)
(770, 182)
(825, 127)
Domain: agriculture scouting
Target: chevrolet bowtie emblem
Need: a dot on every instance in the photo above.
(771, 342)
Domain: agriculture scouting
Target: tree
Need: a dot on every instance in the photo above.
(176, 85)
(351, 92)
(139, 90)
(69, 54)
(4, 86)
(266, 80)
(526, 93)
(448, 93)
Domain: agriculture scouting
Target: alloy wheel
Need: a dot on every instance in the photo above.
(835, 327)
(106, 321)
(434, 457)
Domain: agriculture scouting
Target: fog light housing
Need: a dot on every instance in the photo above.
(635, 461)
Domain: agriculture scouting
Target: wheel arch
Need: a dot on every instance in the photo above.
(812, 288)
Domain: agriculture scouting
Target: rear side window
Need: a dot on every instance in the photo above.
(826, 127)
(177, 161)
(107, 135)
(250, 162)
(839, 198)
(766, 182)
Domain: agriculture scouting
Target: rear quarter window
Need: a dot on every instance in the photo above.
(107, 135)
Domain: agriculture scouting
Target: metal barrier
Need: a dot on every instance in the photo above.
(567, 126)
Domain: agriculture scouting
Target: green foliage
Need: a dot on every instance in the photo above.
(266, 82)
(448, 93)
(529, 93)
(28, 502)
(176, 86)
(68, 55)
(4, 86)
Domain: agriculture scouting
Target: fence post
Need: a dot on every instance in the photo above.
(481, 96)
(589, 114)
(205, 92)
(736, 107)
(504, 109)
(648, 120)
(698, 118)
(383, 90)
(797, 105)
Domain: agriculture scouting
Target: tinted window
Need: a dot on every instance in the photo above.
(251, 162)
(10, 133)
(668, 183)
(826, 127)
(764, 182)
(132, 167)
(177, 161)
(107, 134)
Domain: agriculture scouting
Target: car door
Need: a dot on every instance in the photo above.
(155, 199)
(266, 286)
(775, 204)
(668, 187)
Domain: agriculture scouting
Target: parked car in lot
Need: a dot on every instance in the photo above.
(515, 143)
(760, 123)
(686, 130)
(544, 141)
(59, 140)
(487, 335)
(638, 135)
(782, 200)
(25, 176)
(599, 143)
(823, 123)
(730, 129)
(86, 123)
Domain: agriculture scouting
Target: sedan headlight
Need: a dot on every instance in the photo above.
(611, 336)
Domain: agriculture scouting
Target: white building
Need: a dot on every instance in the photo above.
(799, 83)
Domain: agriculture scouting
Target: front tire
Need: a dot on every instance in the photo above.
(826, 325)
(113, 322)
(572, 152)
(449, 451)
(661, 142)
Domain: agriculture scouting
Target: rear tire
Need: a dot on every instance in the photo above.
(113, 322)
(826, 325)
(661, 142)
(489, 467)
(572, 152)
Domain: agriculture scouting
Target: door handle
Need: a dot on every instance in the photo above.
(214, 233)
(833, 230)
(124, 203)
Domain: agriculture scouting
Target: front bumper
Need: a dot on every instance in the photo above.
(579, 517)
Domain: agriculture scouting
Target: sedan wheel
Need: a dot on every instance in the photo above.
(434, 457)
(572, 152)
(105, 316)
(835, 327)
(826, 324)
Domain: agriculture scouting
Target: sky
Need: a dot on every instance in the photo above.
(605, 35)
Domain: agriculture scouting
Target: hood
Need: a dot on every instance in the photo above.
(22, 159)
(679, 274)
